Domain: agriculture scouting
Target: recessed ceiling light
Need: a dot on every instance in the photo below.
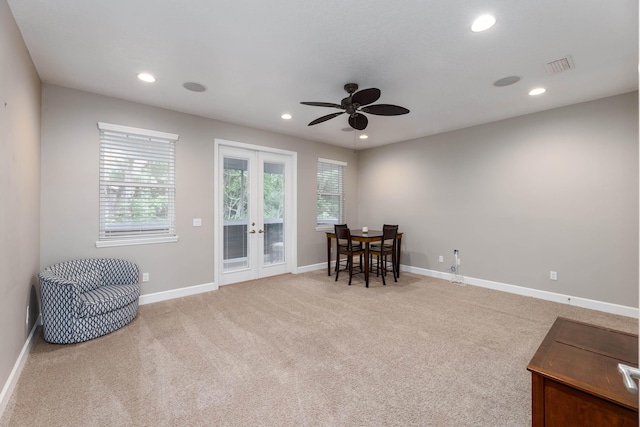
(146, 77)
(506, 81)
(286, 116)
(194, 87)
(483, 23)
(537, 91)
(364, 136)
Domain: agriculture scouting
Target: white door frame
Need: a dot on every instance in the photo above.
(292, 221)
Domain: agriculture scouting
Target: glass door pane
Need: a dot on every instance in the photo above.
(236, 253)
(273, 179)
(254, 214)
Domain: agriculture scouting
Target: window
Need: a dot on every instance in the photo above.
(331, 199)
(137, 186)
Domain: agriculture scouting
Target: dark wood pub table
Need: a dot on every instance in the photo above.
(575, 379)
(357, 235)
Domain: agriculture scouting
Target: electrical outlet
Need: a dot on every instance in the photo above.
(197, 222)
(441, 258)
(145, 277)
(553, 275)
(459, 261)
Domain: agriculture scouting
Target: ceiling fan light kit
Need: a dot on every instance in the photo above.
(356, 104)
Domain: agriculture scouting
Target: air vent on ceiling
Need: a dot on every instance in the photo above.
(560, 65)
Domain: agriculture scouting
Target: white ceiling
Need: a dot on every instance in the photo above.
(260, 58)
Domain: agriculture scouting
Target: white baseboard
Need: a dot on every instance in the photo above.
(7, 390)
(313, 267)
(177, 293)
(535, 293)
(606, 307)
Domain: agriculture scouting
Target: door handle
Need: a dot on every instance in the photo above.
(260, 231)
(252, 232)
(628, 374)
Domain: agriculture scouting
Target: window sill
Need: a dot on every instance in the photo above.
(130, 242)
(325, 228)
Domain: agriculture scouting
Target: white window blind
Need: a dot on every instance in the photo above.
(137, 184)
(331, 194)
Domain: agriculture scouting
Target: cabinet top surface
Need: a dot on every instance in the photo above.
(586, 357)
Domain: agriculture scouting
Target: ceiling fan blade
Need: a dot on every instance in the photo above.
(322, 104)
(358, 121)
(385, 110)
(325, 118)
(366, 96)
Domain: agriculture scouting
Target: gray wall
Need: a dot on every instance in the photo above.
(70, 185)
(556, 190)
(19, 191)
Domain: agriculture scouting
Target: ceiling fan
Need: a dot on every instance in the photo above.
(357, 103)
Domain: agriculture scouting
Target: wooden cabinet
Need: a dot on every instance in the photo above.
(575, 379)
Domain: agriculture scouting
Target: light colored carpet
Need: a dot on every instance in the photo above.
(302, 350)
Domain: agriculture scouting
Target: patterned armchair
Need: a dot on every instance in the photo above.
(87, 298)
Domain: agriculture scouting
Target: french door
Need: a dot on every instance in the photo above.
(254, 214)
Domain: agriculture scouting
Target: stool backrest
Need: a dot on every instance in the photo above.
(343, 234)
(389, 232)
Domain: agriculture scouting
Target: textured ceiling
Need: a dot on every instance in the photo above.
(259, 59)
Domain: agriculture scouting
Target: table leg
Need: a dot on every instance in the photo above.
(398, 257)
(328, 256)
(366, 264)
